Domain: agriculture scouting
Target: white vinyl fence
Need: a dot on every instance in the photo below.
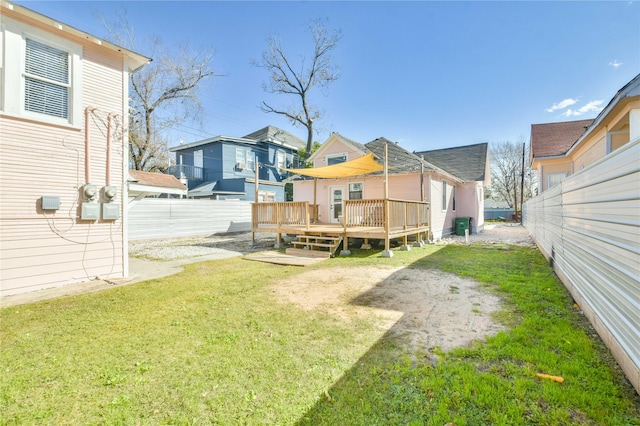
(588, 227)
(154, 218)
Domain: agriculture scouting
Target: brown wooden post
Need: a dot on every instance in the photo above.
(387, 245)
(257, 177)
(253, 223)
(277, 245)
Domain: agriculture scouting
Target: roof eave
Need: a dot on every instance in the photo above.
(623, 93)
(136, 59)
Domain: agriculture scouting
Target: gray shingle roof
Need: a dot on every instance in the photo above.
(274, 133)
(399, 159)
(468, 163)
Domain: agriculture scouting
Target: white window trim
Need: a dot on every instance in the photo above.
(281, 158)
(14, 35)
(342, 154)
(349, 189)
(563, 174)
(444, 195)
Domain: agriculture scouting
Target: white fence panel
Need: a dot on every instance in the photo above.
(589, 229)
(153, 218)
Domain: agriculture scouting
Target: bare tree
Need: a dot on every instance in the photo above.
(512, 180)
(162, 94)
(298, 79)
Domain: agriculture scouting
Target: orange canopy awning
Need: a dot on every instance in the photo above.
(360, 166)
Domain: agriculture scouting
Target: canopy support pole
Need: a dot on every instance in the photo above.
(387, 245)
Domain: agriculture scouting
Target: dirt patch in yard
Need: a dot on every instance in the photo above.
(424, 308)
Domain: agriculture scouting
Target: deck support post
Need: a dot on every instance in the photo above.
(278, 244)
(405, 246)
(345, 246)
(365, 245)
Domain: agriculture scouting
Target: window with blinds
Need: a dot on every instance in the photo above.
(46, 80)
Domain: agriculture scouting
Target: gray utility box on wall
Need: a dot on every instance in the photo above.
(110, 211)
(90, 211)
(50, 202)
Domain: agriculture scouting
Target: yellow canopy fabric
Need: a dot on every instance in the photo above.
(359, 166)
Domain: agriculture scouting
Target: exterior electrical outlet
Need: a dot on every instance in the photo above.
(50, 202)
(110, 192)
(110, 211)
(90, 211)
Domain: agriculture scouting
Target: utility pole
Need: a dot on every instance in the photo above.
(522, 183)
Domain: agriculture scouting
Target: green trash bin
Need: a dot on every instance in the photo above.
(462, 224)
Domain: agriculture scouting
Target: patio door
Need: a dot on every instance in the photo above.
(336, 197)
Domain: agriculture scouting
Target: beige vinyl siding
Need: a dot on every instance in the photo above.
(589, 229)
(45, 249)
(590, 153)
(552, 168)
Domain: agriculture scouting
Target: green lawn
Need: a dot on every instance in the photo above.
(212, 345)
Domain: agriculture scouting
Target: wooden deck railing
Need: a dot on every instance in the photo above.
(287, 213)
(402, 213)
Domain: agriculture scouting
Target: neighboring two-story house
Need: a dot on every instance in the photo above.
(561, 149)
(63, 153)
(224, 167)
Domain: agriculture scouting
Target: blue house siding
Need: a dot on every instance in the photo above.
(229, 162)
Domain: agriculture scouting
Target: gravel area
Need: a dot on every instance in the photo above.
(188, 247)
(240, 243)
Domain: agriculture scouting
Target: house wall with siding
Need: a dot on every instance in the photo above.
(158, 218)
(333, 146)
(591, 151)
(406, 187)
(552, 167)
(588, 227)
(40, 249)
(469, 199)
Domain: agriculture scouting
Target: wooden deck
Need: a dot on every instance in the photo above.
(368, 219)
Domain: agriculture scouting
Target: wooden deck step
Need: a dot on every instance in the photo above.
(312, 244)
(317, 243)
(307, 238)
(308, 253)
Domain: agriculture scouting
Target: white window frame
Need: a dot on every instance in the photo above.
(444, 196)
(361, 190)
(330, 157)
(561, 175)
(241, 158)
(282, 159)
(14, 35)
(251, 160)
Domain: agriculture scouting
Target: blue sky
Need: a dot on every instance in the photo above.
(425, 74)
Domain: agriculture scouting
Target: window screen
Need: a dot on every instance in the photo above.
(46, 80)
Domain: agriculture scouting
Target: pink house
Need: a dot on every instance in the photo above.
(63, 155)
(450, 180)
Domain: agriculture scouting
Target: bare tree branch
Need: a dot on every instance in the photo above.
(507, 173)
(162, 94)
(284, 78)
